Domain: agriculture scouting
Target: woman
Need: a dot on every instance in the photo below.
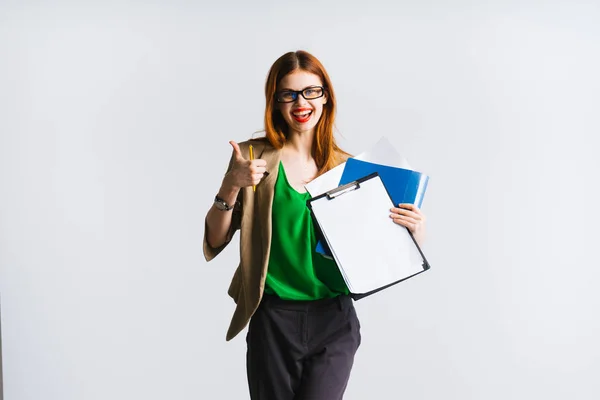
(303, 332)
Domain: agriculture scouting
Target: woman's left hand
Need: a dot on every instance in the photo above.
(410, 216)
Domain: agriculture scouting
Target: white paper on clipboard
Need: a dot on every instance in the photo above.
(370, 250)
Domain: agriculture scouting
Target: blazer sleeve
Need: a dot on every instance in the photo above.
(236, 219)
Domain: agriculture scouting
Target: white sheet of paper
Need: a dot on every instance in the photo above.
(385, 154)
(381, 153)
(325, 182)
(370, 250)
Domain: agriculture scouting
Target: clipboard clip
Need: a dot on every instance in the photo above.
(348, 187)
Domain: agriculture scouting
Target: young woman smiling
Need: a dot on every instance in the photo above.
(303, 329)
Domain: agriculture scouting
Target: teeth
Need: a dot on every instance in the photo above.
(302, 113)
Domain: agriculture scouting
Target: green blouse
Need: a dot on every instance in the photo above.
(296, 271)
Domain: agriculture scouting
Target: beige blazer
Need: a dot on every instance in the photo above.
(252, 216)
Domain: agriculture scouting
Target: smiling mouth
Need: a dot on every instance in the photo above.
(302, 115)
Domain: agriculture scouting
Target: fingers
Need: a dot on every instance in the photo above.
(259, 163)
(236, 150)
(404, 218)
(410, 207)
(246, 172)
(409, 216)
(257, 170)
(408, 224)
(412, 212)
(238, 154)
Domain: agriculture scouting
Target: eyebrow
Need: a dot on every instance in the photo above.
(292, 90)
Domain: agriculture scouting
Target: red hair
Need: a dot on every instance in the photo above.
(325, 150)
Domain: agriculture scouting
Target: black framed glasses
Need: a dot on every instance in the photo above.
(309, 93)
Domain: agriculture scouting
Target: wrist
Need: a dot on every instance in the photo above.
(228, 185)
(228, 192)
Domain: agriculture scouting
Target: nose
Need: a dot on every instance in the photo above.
(300, 100)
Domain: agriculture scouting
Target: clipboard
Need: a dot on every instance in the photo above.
(403, 185)
(371, 252)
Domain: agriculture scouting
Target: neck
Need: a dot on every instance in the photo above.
(300, 144)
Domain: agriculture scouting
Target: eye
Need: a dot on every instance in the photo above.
(313, 93)
(286, 95)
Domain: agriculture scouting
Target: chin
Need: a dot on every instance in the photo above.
(308, 128)
(303, 127)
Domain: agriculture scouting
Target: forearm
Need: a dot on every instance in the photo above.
(218, 222)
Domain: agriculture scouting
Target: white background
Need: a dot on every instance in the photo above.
(114, 122)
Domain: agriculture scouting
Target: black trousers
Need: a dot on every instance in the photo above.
(301, 350)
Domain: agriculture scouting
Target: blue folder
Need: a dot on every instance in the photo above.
(403, 185)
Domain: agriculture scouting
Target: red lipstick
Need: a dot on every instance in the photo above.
(301, 115)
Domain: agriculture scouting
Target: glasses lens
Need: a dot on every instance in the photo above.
(313, 92)
(286, 96)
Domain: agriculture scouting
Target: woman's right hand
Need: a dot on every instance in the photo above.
(244, 172)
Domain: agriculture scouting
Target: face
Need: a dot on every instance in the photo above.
(301, 115)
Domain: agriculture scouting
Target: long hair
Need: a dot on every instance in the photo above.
(325, 151)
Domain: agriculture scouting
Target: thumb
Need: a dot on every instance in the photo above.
(236, 150)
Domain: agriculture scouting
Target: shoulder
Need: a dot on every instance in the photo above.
(261, 143)
(261, 146)
(340, 157)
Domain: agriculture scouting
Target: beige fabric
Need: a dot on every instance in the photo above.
(252, 216)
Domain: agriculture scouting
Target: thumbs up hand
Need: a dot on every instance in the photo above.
(244, 172)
